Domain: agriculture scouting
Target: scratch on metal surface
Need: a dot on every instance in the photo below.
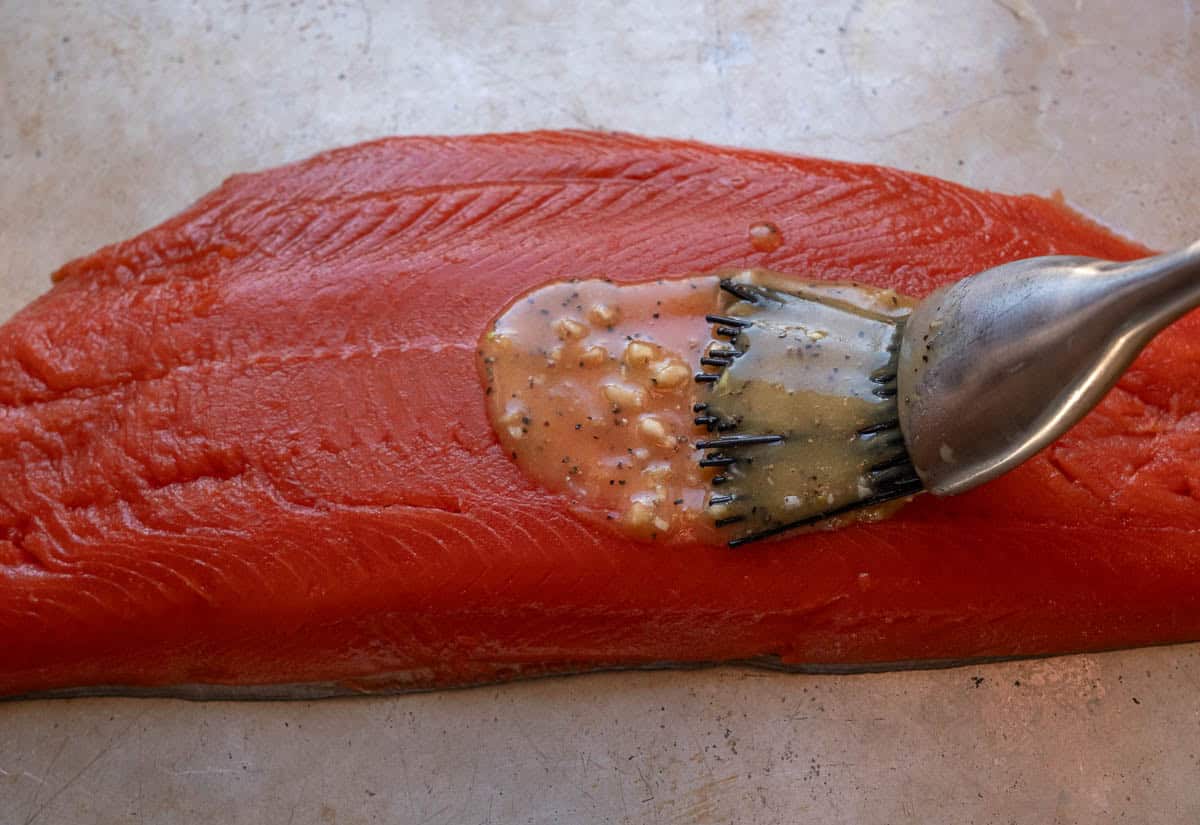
(50, 767)
(1025, 12)
(23, 775)
(718, 55)
(574, 117)
(888, 137)
(113, 741)
(412, 808)
(852, 72)
(646, 782)
(1189, 11)
(703, 802)
(470, 788)
(434, 815)
(543, 758)
(369, 20)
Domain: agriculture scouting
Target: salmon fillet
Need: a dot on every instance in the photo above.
(248, 450)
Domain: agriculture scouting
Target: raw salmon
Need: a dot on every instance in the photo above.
(248, 449)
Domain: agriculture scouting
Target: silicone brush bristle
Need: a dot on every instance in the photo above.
(801, 406)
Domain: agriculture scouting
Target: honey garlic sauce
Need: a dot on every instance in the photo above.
(589, 387)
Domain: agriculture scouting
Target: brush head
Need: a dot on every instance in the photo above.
(800, 409)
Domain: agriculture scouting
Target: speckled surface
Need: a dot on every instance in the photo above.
(115, 115)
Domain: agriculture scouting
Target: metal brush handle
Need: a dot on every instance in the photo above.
(997, 366)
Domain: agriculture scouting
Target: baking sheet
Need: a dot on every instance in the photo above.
(115, 115)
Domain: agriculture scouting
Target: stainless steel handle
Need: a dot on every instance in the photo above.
(996, 367)
(1159, 289)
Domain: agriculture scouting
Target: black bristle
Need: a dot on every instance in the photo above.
(897, 461)
(890, 477)
(904, 484)
(891, 424)
(895, 492)
(740, 291)
(707, 378)
(726, 320)
(699, 407)
(738, 441)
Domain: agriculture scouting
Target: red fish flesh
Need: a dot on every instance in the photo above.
(247, 452)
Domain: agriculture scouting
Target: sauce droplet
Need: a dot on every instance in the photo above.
(765, 237)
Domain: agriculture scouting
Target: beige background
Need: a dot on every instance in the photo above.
(114, 115)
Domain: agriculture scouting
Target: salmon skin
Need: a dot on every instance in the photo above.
(246, 453)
